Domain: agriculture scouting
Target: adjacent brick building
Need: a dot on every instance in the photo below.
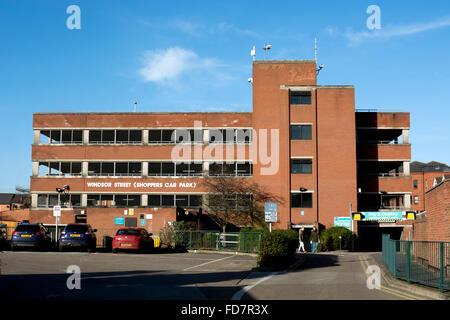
(303, 142)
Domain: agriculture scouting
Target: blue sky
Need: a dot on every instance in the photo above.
(195, 56)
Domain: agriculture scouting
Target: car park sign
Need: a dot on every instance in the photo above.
(57, 211)
(343, 222)
(271, 211)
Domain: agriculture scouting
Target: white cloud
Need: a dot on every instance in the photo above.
(198, 29)
(390, 31)
(169, 64)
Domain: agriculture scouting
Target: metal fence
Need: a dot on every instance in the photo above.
(213, 240)
(425, 262)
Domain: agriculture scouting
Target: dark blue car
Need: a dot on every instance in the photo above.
(79, 236)
(30, 235)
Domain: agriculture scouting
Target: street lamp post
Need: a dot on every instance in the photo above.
(60, 190)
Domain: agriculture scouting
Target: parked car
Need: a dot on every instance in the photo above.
(31, 235)
(79, 236)
(133, 239)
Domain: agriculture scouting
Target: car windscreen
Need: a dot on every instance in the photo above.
(28, 227)
(76, 228)
(127, 232)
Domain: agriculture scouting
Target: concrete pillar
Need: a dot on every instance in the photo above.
(144, 200)
(406, 171)
(145, 169)
(206, 168)
(407, 201)
(84, 168)
(405, 135)
(206, 136)
(34, 200)
(37, 134)
(84, 199)
(35, 168)
(145, 136)
(85, 136)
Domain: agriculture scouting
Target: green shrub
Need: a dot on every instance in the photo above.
(277, 248)
(329, 239)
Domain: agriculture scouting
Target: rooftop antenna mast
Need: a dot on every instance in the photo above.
(135, 103)
(266, 47)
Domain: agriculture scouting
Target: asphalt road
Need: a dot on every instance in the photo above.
(181, 276)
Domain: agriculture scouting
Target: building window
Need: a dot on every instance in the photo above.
(65, 200)
(230, 136)
(231, 202)
(301, 200)
(171, 200)
(301, 132)
(415, 184)
(172, 136)
(242, 169)
(416, 199)
(115, 136)
(62, 136)
(113, 200)
(59, 169)
(114, 169)
(301, 165)
(300, 97)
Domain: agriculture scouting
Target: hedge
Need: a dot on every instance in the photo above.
(277, 248)
(329, 239)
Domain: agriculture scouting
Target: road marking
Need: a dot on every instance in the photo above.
(238, 295)
(404, 295)
(202, 264)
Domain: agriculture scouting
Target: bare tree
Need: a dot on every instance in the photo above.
(236, 201)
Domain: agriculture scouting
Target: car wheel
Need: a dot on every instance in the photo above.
(115, 250)
(13, 248)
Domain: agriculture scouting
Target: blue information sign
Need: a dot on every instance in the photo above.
(119, 221)
(383, 215)
(343, 222)
(271, 211)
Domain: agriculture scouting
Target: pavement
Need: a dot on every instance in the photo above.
(192, 276)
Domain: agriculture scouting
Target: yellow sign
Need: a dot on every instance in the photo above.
(410, 216)
(131, 212)
(357, 216)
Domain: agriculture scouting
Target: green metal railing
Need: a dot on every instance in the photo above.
(425, 262)
(213, 240)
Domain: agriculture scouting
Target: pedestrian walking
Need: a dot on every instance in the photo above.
(301, 240)
(314, 240)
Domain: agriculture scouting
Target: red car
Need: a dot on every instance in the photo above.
(133, 239)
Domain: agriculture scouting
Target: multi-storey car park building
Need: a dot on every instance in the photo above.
(303, 142)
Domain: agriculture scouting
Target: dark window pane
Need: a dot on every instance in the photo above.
(168, 168)
(122, 136)
(244, 169)
(108, 136)
(65, 168)
(76, 168)
(296, 200)
(134, 200)
(94, 168)
(121, 200)
(93, 200)
(229, 169)
(196, 169)
(154, 168)
(195, 201)
(121, 168)
(106, 200)
(168, 136)
(77, 136)
(306, 200)
(306, 132)
(154, 200)
(55, 136)
(182, 200)
(301, 97)
(66, 136)
(42, 200)
(135, 136)
(244, 135)
(135, 168)
(95, 136)
(167, 200)
(154, 136)
(76, 200)
(215, 169)
(182, 169)
(107, 168)
(301, 165)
